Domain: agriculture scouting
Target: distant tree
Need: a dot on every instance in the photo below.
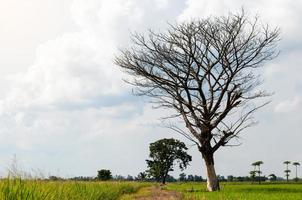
(55, 178)
(254, 164)
(221, 178)
(286, 171)
(259, 175)
(230, 178)
(190, 178)
(82, 178)
(253, 175)
(239, 178)
(247, 178)
(129, 178)
(206, 71)
(198, 178)
(182, 177)
(164, 153)
(104, 175)
(170, 179)
(296, 164)
(258, 163)
(272, 177)
(119, 178)
(142, 176)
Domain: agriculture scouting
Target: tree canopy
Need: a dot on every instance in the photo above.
(164, 153)
(104, 175)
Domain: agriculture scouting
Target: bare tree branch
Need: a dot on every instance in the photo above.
(206, 71)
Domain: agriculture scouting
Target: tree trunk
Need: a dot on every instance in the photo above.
(296, 179)
(164, 178)
(259, 175)
(212, 180)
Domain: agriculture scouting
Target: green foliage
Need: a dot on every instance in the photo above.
(104, 175)
(296, 163)
(17, 189)
(182, 177)
(287, 171)
(255, 164)
(253, 174)
(164, 153)
(142, 176)
(272, 177)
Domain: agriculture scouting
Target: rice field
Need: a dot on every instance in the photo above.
(17, 189)
(240, 191)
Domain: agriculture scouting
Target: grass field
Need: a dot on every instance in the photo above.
(66, 190)
(240, 191)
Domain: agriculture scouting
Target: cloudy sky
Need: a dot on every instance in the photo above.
(64, 109)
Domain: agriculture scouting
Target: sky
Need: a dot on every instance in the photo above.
(65, 109)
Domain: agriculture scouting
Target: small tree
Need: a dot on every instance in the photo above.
(104, 175)
(254, 164)
(253, 175)
(198, 178)
(286, 171)
(164, 153)
(296, 164)
(258, 163)
(142, 176)
(129, 178)
(119, 177)
(272, 177)
(206, 71)
(190, 178)
(182, 177)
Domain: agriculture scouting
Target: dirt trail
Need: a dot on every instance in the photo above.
(157, 193)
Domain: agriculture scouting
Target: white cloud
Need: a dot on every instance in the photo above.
(281, 13)
(73, 95)
(73, 68)
(71, 103)
(288, 106)
(162, 3)
(78, 67)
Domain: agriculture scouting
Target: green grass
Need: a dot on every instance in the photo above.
(67, 190)
(239, 191)
(45, 190)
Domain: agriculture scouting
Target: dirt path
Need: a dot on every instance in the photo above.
(157, 193)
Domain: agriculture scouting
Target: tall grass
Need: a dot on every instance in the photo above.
(23, 185)
(17, 189)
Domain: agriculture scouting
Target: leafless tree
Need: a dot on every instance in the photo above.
(207, 71)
